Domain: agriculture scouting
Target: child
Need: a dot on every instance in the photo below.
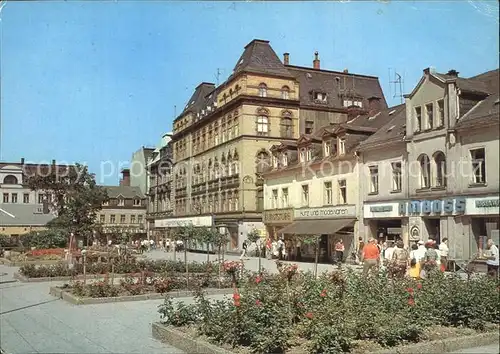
(414, 271)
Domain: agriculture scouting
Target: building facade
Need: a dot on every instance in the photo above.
(123, 217)
(436, 175)
(138, 168)
(23, 210)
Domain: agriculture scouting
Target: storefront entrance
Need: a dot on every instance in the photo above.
(484, 228)
(388, 230)
(433, 226)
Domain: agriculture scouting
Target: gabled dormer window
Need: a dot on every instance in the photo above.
(342, 146)
(309, 154)
(121, 202)
(284, 159)
(275, 161)
(327, 148)
(137, 202)
(302, 155)
(319, 97)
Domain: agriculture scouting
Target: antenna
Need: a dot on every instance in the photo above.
(398, 85)
(218, 75)
(175, 111)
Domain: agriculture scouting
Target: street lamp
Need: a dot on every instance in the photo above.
(246, 180)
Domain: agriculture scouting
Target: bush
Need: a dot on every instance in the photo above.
(334, 312)
(53, 238)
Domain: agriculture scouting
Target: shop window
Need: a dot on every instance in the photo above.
(478, 166)
(343, 191)
(425, 171)
(396, 176)
(305, 195)
(373, 179)
(328, 197)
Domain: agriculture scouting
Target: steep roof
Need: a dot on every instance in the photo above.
(126, 192)
(393, 130)
(260, 58)
(485, 112)
(198, 99)
(337, 85)
(23, 214)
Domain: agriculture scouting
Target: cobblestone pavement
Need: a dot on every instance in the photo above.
(32, 321)
(489, 349)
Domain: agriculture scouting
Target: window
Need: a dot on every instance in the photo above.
(6, 197)
(396, 176)
(478, 166)
(275, 198)
(286, 127)
(139, 219)
(418, 119)
(320, 97)
(121, 202)
(132, 219)
(343, 191)
(308, 154)
(309, 127)
(14, 197)
(440, 168)
(26, 198)
(262, 90)
(429, 110)
(328, 193)
(342, 146)
(425, 171)
(284, 159)
(112, 219)
(305, 195)
(284, 197)
(440, 118)
(263, 161)
(373, 179)
(327, 148)
(102, 218)
(41, 198)
(262, 125)
(302, 155)
(285, 92)
(10, 179)
(122, 219)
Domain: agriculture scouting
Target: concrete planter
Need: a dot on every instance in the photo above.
(10, 263)
(183, 341)
(67, 296)
(189, 344)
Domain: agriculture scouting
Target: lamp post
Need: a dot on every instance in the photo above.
(84, 255)
(246, 180)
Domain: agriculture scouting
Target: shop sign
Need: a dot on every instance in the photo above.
(279, 216)
(483, 206)
(326, 213)
(437, 207)
(380, 208)
(196, 221)
(414, 233)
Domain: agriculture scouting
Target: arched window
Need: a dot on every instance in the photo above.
(262, 121)
(263, 161)
(440, 169)
(285, 92)
(236, 163)
(229, 165)
(223, 163)
(286, 125)
(263, 90)
(10, 179)
(210, 170)
(216, 168)
(425, 171)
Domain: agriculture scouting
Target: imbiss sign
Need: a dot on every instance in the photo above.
(326, 213)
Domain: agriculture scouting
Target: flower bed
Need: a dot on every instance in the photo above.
(295, 312)
(120, 267)
(45, 252)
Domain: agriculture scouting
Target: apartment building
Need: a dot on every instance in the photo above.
(436, 175)
(125, 212)
(21, 209)
(139, 174)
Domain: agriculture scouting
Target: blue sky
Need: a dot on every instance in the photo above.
(94, 81)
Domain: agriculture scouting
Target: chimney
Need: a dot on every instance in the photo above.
(354, 111)
(453, 73)
(346, 71)
(286, 58)
(374, 105)
(22, 160)
(316, 60)
(125, 181)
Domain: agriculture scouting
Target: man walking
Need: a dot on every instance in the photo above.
(370, 257)
(443, 252)
(243, 254)
(493, 259)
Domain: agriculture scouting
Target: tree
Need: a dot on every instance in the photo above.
(208, 236)
(313, 240)
(187, 234)
(76, 198)
(254, 236)
(52, 238)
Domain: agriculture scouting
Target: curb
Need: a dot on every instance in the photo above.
(445, 345)
(188, 344)
(183, 341)
(72, 299)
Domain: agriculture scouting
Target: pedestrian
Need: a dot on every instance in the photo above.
(281, 248)
(444, 251)
(244, 252)
(370, 257)
(399, 260)
(389, 251)
(492, 261)
(359, 250)
(339, 251)
(298, 255)
(430, 259)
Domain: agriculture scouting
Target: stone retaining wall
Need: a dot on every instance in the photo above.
(188, 344)
(10, 263)
(67, 296)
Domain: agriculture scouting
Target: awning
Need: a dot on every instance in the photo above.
(316, 227)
